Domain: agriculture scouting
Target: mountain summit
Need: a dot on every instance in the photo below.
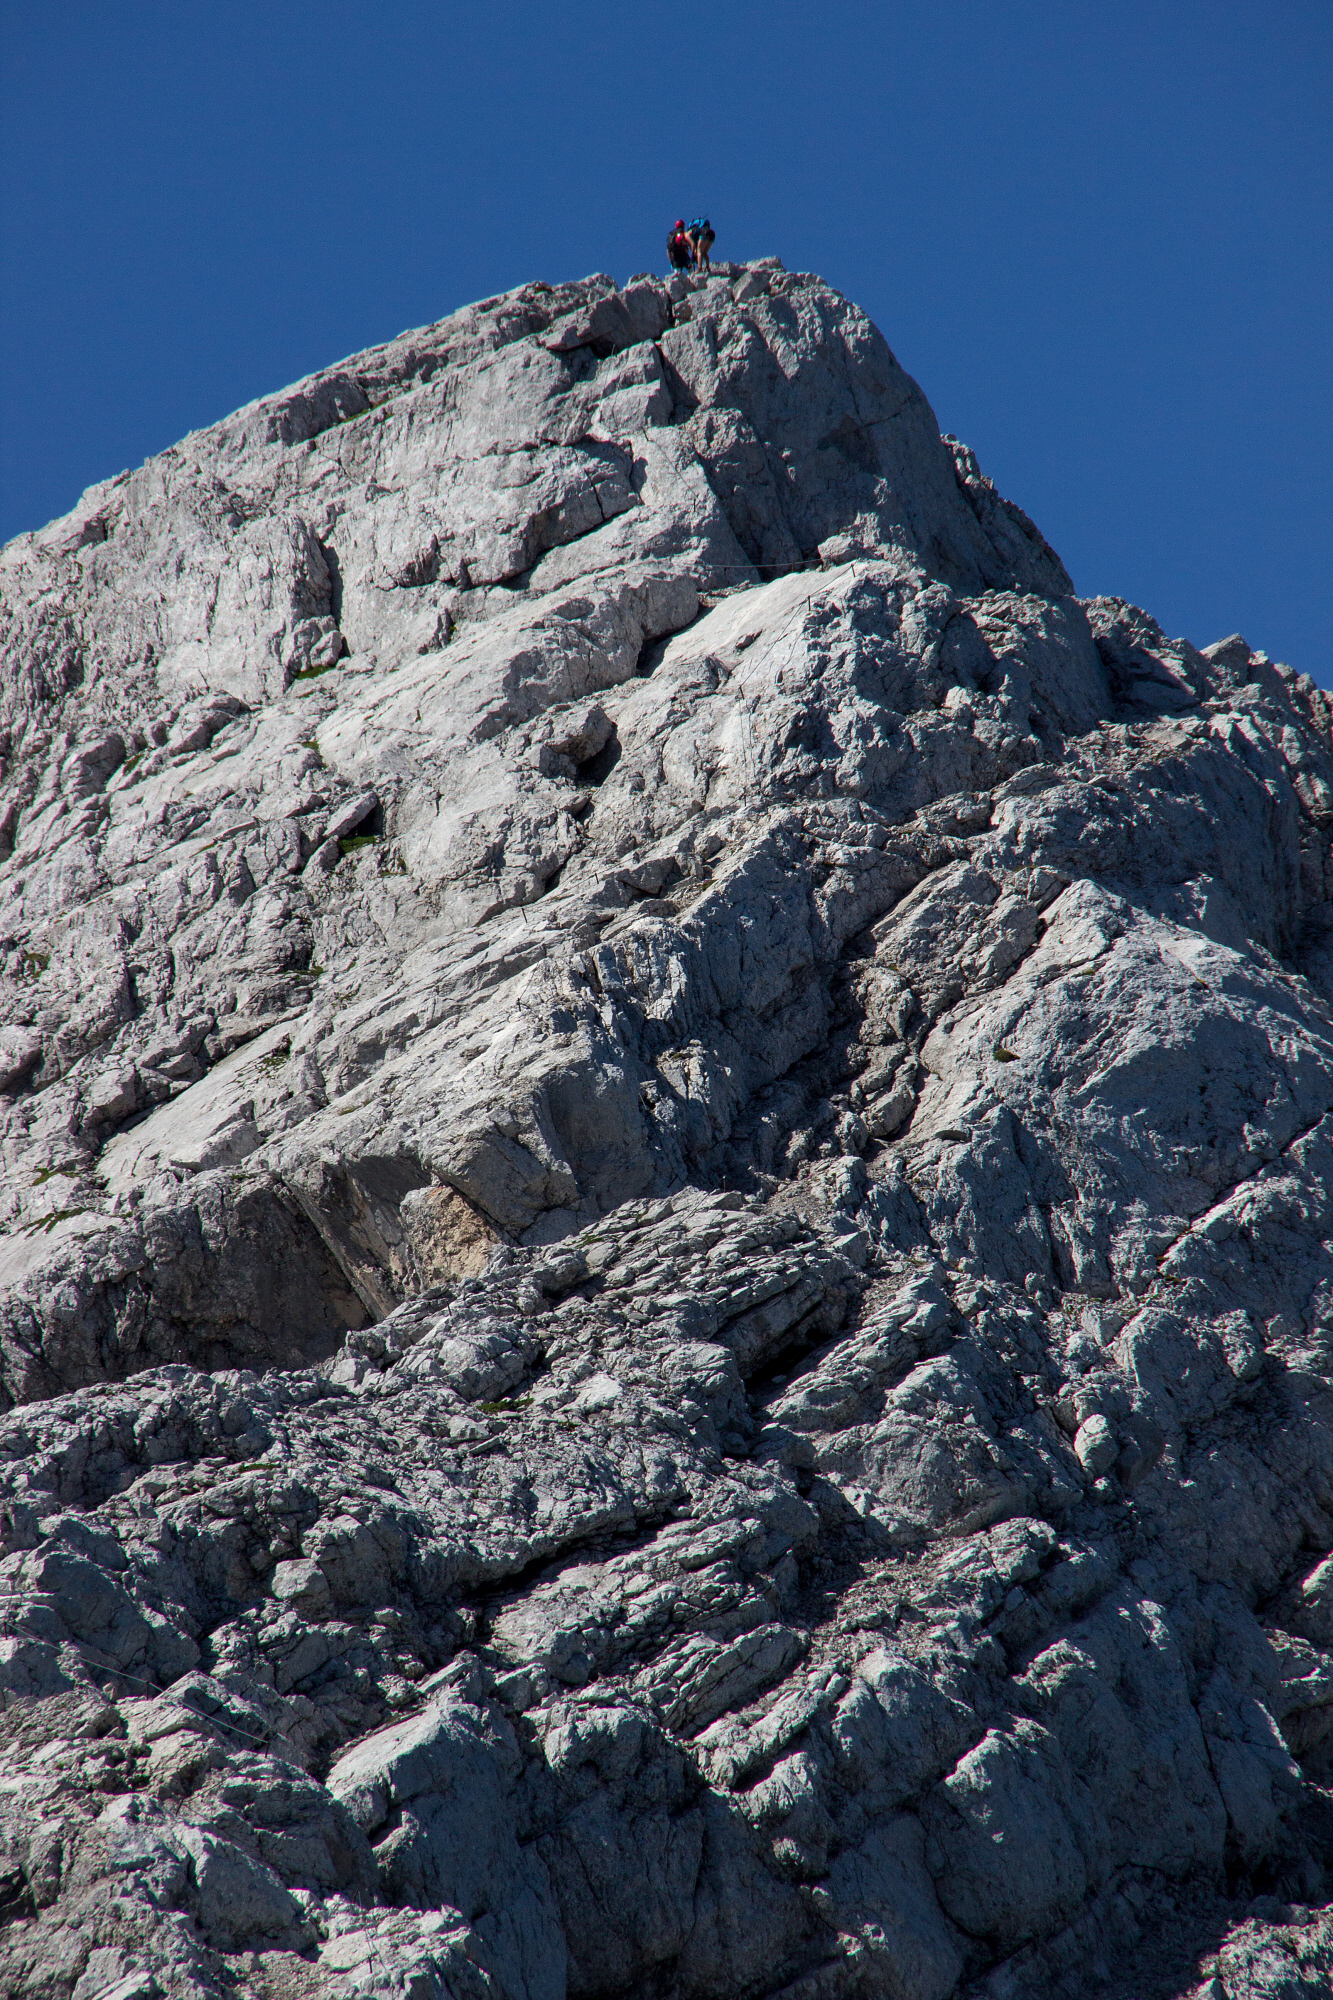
(666, 1241)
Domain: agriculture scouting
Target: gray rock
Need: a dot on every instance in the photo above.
(666, 1319)
(1096, 1446)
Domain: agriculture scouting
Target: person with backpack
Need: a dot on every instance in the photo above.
(680, 250)
(702, 238)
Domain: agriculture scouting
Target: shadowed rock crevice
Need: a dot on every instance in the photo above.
(226, 1276)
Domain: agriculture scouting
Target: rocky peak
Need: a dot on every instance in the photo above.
(664, 1273)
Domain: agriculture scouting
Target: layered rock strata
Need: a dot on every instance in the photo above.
(666, 1291)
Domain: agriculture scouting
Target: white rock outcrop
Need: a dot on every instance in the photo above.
(666, 1232)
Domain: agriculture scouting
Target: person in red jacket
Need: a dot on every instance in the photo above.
(680, 250)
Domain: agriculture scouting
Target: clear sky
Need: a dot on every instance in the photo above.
(1099, 235)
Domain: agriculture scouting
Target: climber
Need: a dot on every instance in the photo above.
(702, 238)
(680, 249)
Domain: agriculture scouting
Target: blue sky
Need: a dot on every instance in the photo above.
(1099, 236)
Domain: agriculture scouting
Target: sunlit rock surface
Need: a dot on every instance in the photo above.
(666, 1290)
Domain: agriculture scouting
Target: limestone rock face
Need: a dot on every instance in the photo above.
(666, 1249)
